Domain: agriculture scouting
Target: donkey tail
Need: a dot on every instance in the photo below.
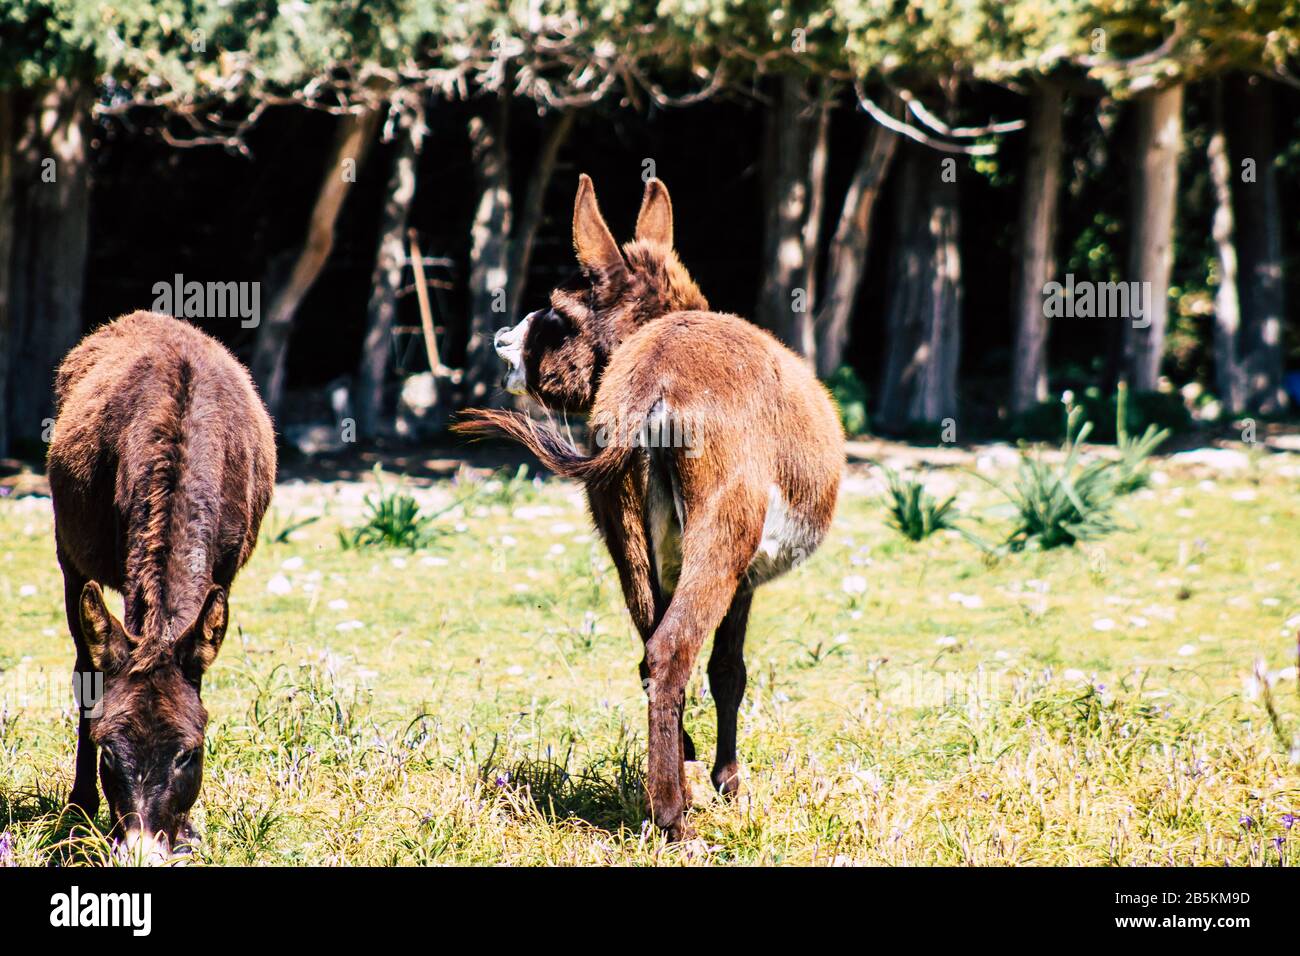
(545, 441)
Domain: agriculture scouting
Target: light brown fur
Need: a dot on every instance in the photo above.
(749, 495)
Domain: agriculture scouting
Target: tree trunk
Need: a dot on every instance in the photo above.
(782, 304)
(489, 274)
(846, 259)
(818, 160)
(1229, 378)
(1037, 261)
(1259, 244)
(351, 142)
(534, 208)
(50, 242)
(390, 263)
(923, 318)
(1155, 191)
(6, 247)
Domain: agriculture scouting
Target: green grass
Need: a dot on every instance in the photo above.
(909, 703)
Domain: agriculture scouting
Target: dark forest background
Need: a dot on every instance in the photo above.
(186, 164)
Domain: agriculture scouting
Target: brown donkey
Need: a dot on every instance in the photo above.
(161, 468)
(717, 468)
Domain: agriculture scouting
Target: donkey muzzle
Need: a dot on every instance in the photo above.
(509, 344)
(142, 848)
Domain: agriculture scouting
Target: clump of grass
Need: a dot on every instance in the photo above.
(914, 512)
(280, 530)
(247, 830)
(1060, 505)
(393, 519)
(1134, 452)
(608, 791)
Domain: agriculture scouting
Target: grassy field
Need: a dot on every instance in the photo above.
(477, 701)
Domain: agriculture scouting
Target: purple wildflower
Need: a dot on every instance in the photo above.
(1246, 821)
(1277, 843)
(7, 849)
(503, 779)
(1288, 819)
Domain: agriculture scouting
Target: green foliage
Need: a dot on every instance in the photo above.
(455, 758)
(850, 396)
(278, 530)
(1163, 411)
(914, 512)
(44, 39)
(393, 520)
(1059, 505)
(1042, 422)
(1134, 452)
(508, 489)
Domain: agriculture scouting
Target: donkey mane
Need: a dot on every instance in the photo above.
(155, 508)
(661, 284)
(166, 424)
(653, 283)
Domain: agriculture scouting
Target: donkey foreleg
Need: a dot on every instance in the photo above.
(85, 783)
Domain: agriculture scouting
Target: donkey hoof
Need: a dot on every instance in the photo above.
(688, 747)
(679, 832)
(727, 780)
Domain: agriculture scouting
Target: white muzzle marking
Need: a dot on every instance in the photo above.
(141, 848)
(509, 344)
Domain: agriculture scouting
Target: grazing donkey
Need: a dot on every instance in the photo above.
(717, 469)
(161, 468)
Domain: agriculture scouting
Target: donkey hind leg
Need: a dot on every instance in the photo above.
(715, 551)
(85, 787)
(622, 524)
(696, 609)
(727, 684)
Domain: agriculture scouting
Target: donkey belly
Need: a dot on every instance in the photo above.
(788, 539)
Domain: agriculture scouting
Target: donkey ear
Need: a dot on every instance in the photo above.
(592, 240)
(105, 637)
(198, 648)
(654, 223)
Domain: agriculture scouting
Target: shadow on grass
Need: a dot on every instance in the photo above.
(608, 792)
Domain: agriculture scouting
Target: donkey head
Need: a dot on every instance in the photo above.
(149, 722)
(557, 354)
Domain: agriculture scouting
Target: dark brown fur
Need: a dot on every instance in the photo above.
(161, 467)
(689, 528)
